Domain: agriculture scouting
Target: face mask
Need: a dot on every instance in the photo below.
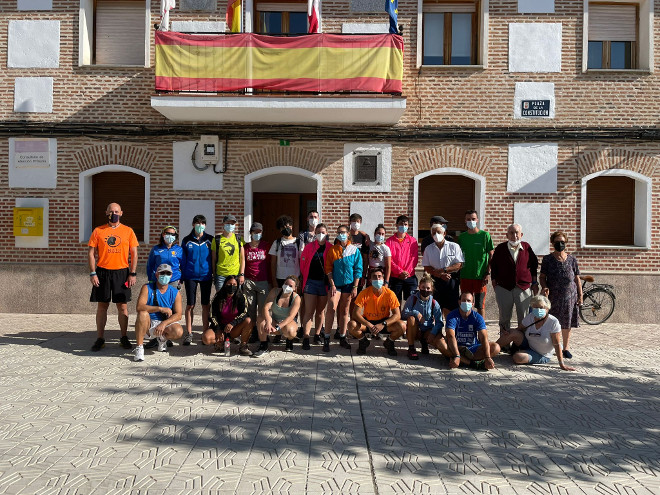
(538, 312)
(164, 279)
(514, 243)
(231, 289)
(559, 246)
(199, 228)
(402, 229)
(438, 237)
(425, 293)
(287, 289)
(466, 306)
(113, 217)
(229, 227)
(286, 232)
(169, 238)
(256, 237)
(377, 284)
(342, 237)
(355, 225)
(320, 237)
(379, 238)
(471, 224)
(313, 222)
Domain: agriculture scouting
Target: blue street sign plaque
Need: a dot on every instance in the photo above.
(535, 108)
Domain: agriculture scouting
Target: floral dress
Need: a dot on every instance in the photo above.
(560, 279)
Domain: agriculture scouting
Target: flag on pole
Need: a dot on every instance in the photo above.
(165, 7)
(313, 15)
(234, 15)
(392, 8)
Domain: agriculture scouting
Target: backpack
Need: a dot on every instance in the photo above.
(239, 240)
(278, 243)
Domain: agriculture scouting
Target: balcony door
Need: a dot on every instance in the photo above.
(281, 18)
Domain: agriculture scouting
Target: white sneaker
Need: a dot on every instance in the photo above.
(139, 353)
(162, 344)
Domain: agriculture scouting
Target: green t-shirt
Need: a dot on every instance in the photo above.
(229, 256)
(475, 248)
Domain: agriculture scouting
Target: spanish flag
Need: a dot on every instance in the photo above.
(234, 15)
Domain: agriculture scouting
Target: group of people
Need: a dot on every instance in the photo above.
(298, 286)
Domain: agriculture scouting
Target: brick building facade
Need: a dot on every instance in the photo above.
(591, 167)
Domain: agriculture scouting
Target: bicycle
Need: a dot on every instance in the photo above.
(598, 301)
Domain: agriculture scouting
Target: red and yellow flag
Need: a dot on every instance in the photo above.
(233, 15)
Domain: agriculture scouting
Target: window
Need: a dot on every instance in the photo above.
(281, 18)
(618, 35)
(114, 32)
(450, 32)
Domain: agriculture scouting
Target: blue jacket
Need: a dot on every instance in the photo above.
(196, 264)
(162, 254)
(346, 264)
(429, 309)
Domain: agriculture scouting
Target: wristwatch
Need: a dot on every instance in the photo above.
(133, 274)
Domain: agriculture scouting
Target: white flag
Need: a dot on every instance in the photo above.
(165, 7)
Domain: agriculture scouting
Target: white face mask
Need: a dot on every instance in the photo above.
(313, 222)
(379, 238)
(355, 225)
(256, 237)
(438, 237)
(287, 289)
(320, 237)
(471, 224)
(514, 243)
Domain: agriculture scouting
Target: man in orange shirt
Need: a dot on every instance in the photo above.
(376, 310)
(109, 249)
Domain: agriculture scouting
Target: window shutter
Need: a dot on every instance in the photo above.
(124, 188)
(120, 32)
(447, 195)
(609, 22)
(440, 6)
(610, 211)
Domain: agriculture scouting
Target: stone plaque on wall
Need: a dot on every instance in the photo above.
(208, 5)
(368, 6)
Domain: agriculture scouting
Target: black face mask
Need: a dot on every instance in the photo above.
(425, 293)
(113, 217)
(559, 246)
(231, 289)
(286, 232)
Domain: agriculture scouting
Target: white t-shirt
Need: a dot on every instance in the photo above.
(539, 338)
(450, 254)
(288, 257)
(377, 254)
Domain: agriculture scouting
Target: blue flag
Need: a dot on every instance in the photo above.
(392, 8)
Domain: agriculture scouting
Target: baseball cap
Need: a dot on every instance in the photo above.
(256, 226)
(229, 218)
(164, 268)
(438, 219)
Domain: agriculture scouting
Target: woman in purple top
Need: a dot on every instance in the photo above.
(560, 282)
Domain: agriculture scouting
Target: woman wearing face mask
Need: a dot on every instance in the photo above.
(420, 315)
(279, 315)
(537, 336)
(166, 251)
(256, 270)
(315, 283)
(380, 254)
(560, 282)
(228, 254)
(229, 318)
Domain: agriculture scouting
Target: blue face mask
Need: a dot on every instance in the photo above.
(164, 279)
(379, 238)
(199, 228)
(402, 229)
(466, 306)
(342, 237)
(169, 238)
(377, 284)
(229, 227)
(471, 224)
(256, 237)
(538, 312)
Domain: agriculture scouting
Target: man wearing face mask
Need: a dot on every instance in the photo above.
(228, 254)
(109, 248)
(477, 248)
(428, 240)
(467, 338)
(284, 252)
(443, 260)
(514, 268)
(307, 236)
(158, 312)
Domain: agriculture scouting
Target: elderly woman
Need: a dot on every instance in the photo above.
(560, 282)
(537, 336)
(443, 260)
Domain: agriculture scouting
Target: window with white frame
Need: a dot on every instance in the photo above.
(452, 32)
(618, 35)
(281, 18)
(114, 32)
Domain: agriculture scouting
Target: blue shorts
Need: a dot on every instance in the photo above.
(534, 357)
(345, 289)
(316, 288)
(474, 347)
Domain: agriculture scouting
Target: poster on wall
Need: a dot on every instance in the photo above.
(31, 153)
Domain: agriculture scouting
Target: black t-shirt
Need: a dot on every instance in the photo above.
(361, 239)
(316, 267)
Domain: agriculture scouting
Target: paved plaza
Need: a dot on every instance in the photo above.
(191, 421)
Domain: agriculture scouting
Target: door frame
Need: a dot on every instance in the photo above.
(278, 170)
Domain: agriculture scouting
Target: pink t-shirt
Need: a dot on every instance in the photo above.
(256, 261)
(228, 313)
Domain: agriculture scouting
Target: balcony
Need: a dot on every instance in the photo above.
(250, 78)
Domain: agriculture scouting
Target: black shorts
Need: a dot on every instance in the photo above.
(191, 291)
(447, 293)
(112, 286)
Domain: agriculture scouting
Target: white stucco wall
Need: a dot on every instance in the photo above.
(533, 91)
(372, 215)
(33, 44)
(33, 95)
(385, 168)
(188, 178)
(198, 27)
(35, 4)
(535, 221)
(362, 27)
(535, 47)
(188, 208)
(536, 6)
(33, 241)
(40, 176)
(532, 168)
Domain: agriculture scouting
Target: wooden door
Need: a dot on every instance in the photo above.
(267, 207)
(447, 195)
(125, 188)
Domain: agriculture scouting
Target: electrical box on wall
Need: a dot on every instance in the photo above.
(210, 149)
(28, 222)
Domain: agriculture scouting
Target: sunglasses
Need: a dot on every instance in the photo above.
(164, 273)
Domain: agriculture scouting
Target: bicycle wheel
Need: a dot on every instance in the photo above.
(597, 307)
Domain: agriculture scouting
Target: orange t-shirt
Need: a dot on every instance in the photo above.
(113, 245)
(377, 307)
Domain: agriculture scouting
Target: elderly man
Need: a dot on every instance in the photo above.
(443, 260)
(109, 248)
(159, 311)
(514, 269)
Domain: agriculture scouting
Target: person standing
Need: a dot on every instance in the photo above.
(428, 240)
(284, 252)
(256, 271)
(307, 236)
(405, 256)
(167, 251)
(443, 260)
(560, 282)
(380, 254)
(315, 284)
(110, 248)
(477, 247)
(228, 254)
